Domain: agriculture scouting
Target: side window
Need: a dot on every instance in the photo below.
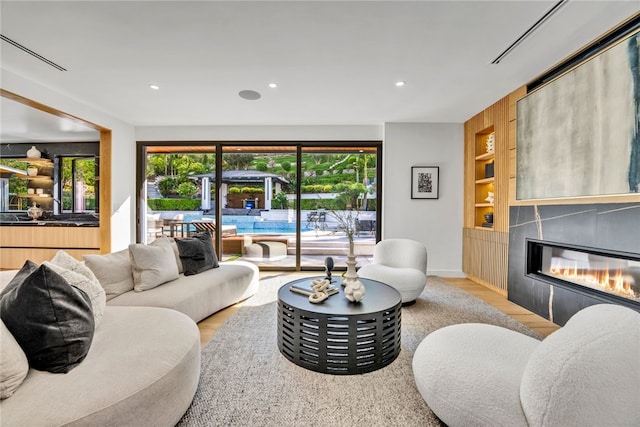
(78, 184)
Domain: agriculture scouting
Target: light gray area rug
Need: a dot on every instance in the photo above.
(245, 381)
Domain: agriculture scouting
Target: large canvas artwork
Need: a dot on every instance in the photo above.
(579, 135)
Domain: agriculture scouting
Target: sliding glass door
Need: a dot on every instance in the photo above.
(338, 182)
(274, 205)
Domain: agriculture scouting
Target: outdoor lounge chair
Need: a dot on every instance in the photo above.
(227, 230)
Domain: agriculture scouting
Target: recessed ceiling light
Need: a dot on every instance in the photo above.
(154, 86)
(400, 83)
(273, 85)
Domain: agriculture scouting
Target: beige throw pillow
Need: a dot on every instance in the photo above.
(65, 260)
(113, 272)
(92, 288)
(13, 363)
(152, 264)
(174, 246)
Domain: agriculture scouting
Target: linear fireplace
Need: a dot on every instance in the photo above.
(611, 276)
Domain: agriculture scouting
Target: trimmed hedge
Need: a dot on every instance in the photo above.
(173, 204)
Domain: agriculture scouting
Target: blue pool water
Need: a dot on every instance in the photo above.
(248, 224)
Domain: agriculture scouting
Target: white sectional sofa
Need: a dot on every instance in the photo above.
(143, 365)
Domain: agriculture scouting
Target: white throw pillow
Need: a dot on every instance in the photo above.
(92, 288)
(113, 272)
(153, 264)
(13, 363)
(64, 260)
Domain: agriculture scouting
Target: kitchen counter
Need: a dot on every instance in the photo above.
(62, 220)
(51, 223)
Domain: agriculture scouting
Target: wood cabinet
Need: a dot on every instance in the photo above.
(40, 243)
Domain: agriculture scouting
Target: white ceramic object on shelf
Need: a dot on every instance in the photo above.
(31, 190)
(491, 143)
(32, 170)
(489, 198)
(34, 211)
(33, 153)
(39, 191)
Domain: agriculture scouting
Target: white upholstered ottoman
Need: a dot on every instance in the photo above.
(273, 251)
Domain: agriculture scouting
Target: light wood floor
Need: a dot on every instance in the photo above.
(210, 325)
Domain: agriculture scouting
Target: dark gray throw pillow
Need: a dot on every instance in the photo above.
(197, 253)
(50, 319)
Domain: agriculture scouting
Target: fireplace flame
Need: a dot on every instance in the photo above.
(606, 280)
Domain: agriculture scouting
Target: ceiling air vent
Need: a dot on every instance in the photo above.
(556, 7)
(32, 53)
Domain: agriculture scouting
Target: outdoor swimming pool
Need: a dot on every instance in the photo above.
(249, 224)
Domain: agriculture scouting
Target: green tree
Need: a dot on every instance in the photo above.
(156, 164)
(286, 166)
(167, 186)
(187, 189)
(262, 166)
(350, 194)
(185, 166)
(238, 161)
(280, 201)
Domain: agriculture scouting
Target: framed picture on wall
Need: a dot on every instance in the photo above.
(425, 182)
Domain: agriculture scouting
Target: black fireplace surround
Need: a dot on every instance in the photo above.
(592, 234)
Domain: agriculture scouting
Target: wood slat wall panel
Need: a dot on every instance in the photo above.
(513, 99)
(485, 258)
(13, 259)
(501, 183)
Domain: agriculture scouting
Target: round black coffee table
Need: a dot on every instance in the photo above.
(338, 336)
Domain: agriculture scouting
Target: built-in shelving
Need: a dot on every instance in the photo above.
(42, 181)
(484, 177)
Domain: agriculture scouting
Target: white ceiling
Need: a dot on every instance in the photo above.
(335, 62)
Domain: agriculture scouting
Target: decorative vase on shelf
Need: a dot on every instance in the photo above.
(33, 153)
(488, 217)
(351, 275)
(32, 170)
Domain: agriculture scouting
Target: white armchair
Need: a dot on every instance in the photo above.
(401, 263)
(585, 374)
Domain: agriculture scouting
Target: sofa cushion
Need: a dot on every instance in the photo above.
(92, 288)
(200, 295)
(197, 253)
(13, 363)
(152, 264)
(113, 271)
(50, 319)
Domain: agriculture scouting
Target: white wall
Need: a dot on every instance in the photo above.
(122, 144)
(436, 223)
